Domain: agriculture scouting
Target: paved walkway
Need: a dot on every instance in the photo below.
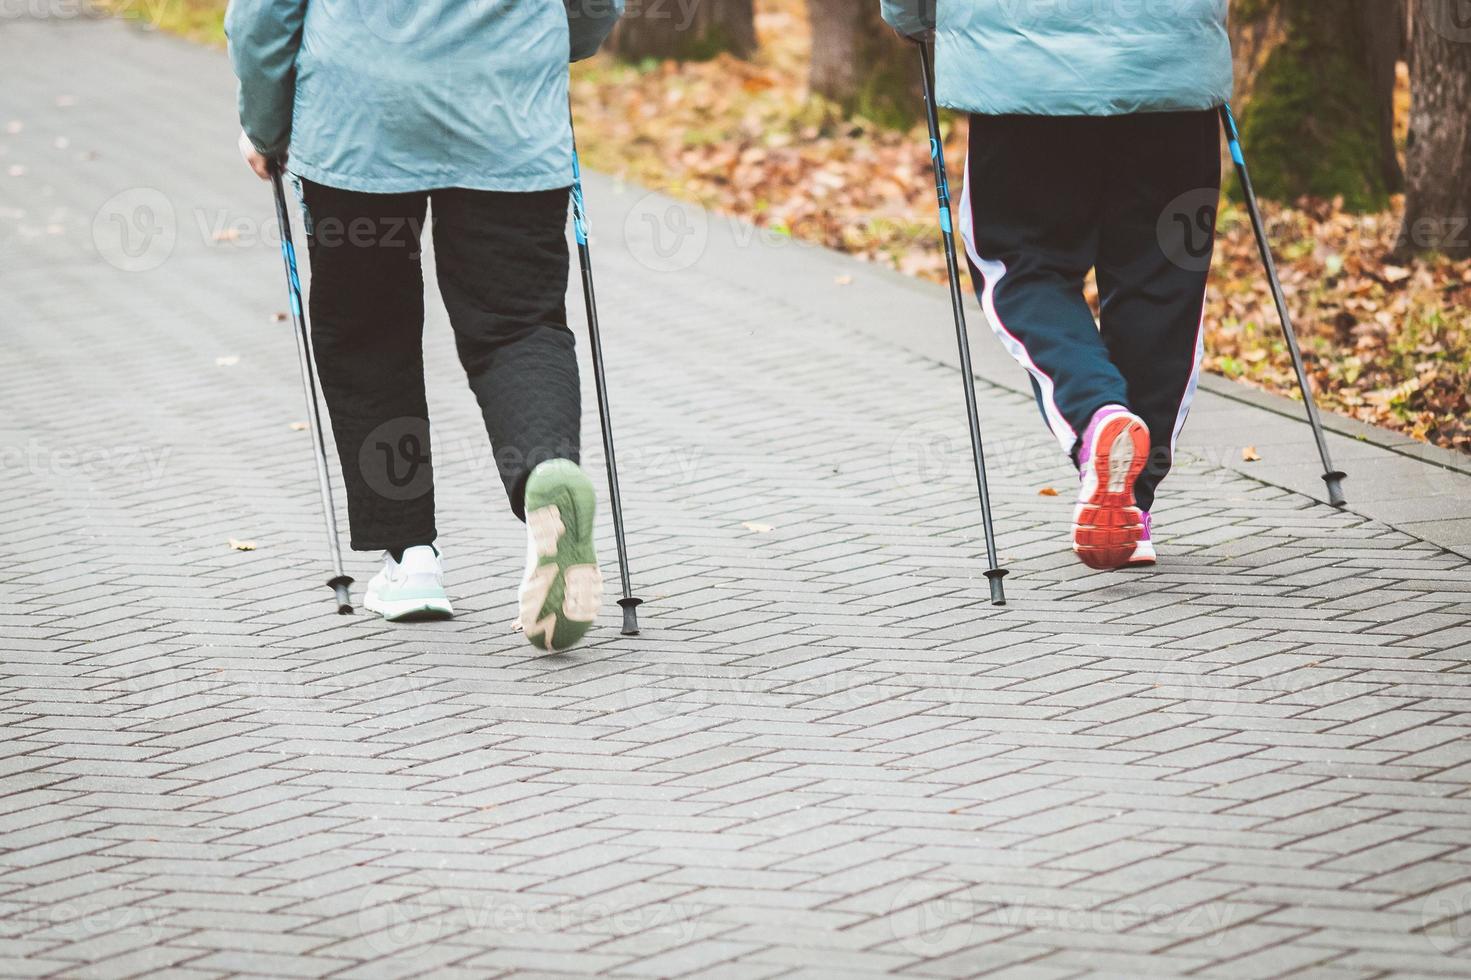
(825, 757)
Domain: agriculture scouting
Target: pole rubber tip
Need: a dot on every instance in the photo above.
(998, 592)
(1335, 488)
(630, 615)
(339, 588)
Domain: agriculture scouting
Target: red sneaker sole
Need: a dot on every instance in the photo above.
(1108, 525)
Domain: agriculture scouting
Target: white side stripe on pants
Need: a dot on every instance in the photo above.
(1192, 384)
(993, 272)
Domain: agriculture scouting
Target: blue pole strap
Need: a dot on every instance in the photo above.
(1234, 137)
(579, 218)
(289, 251)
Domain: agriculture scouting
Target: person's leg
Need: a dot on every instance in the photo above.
(502, 261)
(1029, 218)
(367, 321)
(502, 264)
(1154, 256)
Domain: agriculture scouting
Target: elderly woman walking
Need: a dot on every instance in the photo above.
(1094, 144)
(386, 112)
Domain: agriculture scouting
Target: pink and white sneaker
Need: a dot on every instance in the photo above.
(1107, 526)
(1144, 550)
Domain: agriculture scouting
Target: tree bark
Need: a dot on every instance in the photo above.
(1316, 93)
(860, 64)
(686, 30)
(1438, 197)
(1383, 31)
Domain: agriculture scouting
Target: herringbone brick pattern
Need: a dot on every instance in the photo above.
(826, 756)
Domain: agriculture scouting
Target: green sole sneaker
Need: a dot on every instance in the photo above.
(563, 587)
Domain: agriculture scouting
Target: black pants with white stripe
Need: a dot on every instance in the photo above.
(1047, 198)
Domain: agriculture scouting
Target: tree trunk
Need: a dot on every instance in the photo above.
(1317, 81)
(1383, 27)
(687, 30)
(861, 65)
(1438, 198)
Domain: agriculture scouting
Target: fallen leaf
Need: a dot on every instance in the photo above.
(516, 626)
(298, 426)
(758, 528)
(1250, 455)
(242, 545)
(844, 280)
(1047, 492)
(278, 317)
(1394, 273)
(228, 360)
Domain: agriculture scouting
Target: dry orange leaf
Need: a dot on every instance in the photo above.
(1047, 492)
(242, 545)
(1250, 455)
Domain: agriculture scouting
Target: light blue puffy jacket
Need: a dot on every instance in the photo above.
(387, 96)
(1074, 57)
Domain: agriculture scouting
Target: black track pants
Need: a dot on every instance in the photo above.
(502, 265)
(1049, 197)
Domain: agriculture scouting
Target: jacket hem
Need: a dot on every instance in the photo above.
(1076, 109)
(473, 181)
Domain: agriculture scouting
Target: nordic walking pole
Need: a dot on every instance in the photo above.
(629, 602)
(1331, 476)
(947, 228)
(340, 580)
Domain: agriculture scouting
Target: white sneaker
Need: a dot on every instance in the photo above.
(410, 589)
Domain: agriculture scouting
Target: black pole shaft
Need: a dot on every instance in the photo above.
(1331, 475)
(629, 602)
(340, 581)
(957, 300)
